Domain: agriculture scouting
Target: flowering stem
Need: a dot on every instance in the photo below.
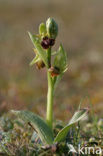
(49, 116)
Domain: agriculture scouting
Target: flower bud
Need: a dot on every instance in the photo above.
(40, 64)
(55, 71)
(52, 28)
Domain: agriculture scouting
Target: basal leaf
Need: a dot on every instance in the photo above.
(79, 115)
(44, 132)
(41, 52)
(36, 139)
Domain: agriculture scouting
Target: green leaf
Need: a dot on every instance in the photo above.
(42, 29)
(43, 130)
(36, 139)
(41, 52)
(79, 115)
(35, 60)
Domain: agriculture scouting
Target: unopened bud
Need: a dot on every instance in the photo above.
(40, 64)
(52, 28)
(55, 71)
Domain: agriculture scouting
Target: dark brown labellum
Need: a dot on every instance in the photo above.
(47, 42)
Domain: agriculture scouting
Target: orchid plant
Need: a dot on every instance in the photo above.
(43, 43)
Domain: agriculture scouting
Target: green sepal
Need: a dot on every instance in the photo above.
(60, 60)
(41, 52)
(35, 60)
(42, 29)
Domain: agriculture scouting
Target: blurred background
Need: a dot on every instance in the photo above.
(81, 32)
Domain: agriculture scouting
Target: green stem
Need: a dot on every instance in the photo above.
(49, 57)
(49, 116)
